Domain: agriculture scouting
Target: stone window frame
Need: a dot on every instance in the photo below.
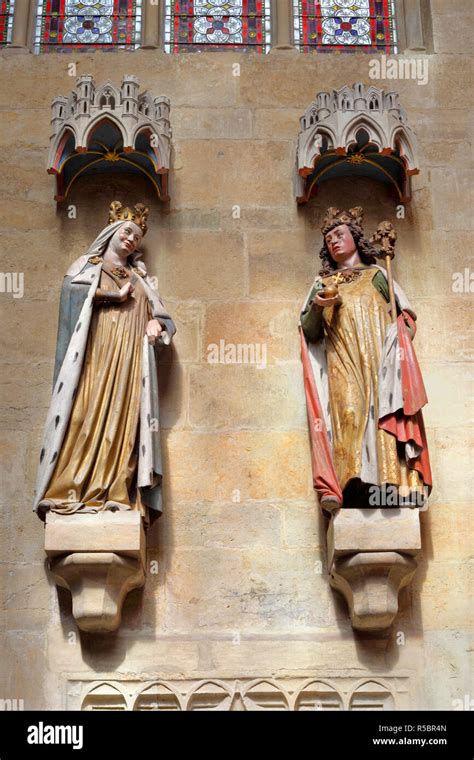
(413, 23)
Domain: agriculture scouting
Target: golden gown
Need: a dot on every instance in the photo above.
(97, 464)
(355, 336)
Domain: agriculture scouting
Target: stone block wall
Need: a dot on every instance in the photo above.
(241, 590)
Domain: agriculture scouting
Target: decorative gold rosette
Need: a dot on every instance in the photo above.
(341, 277)
(119, 272)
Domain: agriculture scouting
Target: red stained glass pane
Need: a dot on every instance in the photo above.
(199, 25)
(88, 24)
(346, 25)
(6, 21)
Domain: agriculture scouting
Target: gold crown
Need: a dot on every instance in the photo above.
(138, 214)
(334, 217)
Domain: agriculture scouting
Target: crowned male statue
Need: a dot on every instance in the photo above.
(101, 445)
(364, 389)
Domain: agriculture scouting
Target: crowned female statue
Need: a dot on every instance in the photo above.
(101, 445)
(363, 386)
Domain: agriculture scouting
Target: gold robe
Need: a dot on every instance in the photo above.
(355, 335)
(97, 464)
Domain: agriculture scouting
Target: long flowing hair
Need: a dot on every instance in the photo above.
(365, 249)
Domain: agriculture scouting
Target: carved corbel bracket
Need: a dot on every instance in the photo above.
(371, 556)
(99, 558)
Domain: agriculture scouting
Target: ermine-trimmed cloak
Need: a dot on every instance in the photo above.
(364, 389)
(75, 316)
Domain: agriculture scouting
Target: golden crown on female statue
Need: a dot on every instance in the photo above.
(138, 214)
(334, 216)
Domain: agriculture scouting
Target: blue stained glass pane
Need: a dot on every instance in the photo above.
(346, 25)
(87, 24)
(199, 25)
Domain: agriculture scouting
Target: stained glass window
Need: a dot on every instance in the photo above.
(88, 24)
(347, 25)
(198, 25)
(6, 21)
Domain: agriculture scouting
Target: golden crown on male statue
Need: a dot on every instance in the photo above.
(335, 216)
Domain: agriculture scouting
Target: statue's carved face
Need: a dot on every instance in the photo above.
(127, 238)
(340, 243)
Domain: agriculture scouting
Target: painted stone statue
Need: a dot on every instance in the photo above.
(101, 445)
(364, 389)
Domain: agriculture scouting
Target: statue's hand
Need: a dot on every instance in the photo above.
(153, 331)
(318, 301)
(126, 290)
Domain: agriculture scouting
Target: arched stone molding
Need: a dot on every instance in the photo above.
(158, 696)
(316, 693)
(109, 124)
(210, 695)
(372, 694)
(265, 694)
(355, 131)
(362, 121)
(107, 97)
(104, 695)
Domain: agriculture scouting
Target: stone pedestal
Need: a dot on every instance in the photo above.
(371, 556)
(99, 558)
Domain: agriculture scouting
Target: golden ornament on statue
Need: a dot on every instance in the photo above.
(330, 291)
(138, 214)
